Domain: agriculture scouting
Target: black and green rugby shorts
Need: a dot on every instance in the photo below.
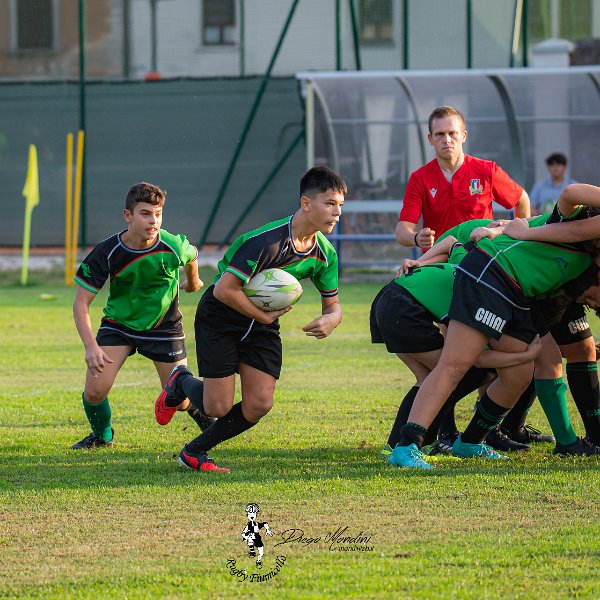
(166, 345)
(486, 309)
(401, 323)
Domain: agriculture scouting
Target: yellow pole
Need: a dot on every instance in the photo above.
(77, 204)
(31, 191)
(69, 211)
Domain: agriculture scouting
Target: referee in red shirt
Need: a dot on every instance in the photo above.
(451, 189)
(454, 187)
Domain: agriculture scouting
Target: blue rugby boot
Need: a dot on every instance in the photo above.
(466, 450)
(408, 456)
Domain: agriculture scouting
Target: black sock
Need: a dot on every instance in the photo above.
(402, 416)
(228, 426)
(411, 433)
(515, 420)
(194, 391)
(470, 381)
(583, 383)
(433, 431)
(447, 420)
(487, 415)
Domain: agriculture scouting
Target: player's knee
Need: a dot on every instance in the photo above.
(258, 407)
(94, 396)
(216, 410)
(517, 377)
(583, 351)
(453, 372)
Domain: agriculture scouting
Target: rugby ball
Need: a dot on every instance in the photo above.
(273, 289)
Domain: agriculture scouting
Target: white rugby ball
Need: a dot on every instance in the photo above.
(273, 289)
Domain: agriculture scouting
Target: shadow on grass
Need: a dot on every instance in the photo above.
(116, 468)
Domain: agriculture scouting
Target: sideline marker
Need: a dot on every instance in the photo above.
(31, 192)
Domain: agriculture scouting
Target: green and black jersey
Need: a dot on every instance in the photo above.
(462, 233)
(271, 246)
(144, 284)
(536, 267)
(431, 285)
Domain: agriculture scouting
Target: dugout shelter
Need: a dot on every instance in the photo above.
(371, 127)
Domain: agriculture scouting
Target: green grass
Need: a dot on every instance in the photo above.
(126, 522)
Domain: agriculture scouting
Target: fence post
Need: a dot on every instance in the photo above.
(240, 144)
(82, 116)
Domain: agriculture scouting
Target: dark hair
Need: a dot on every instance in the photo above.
(587, 279)
(319, 180)
(445, 111)
(144, 192)
(553, 306)
(556, 159)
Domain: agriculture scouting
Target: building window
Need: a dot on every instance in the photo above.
(376, 21)
(560, 19)
(34, 25)
(218, 22)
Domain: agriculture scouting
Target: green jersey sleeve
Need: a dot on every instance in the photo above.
(180, 246)
(325, 274)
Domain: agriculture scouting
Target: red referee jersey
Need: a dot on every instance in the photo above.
(445, 204)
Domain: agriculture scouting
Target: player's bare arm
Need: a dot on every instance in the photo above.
(522, 207)
(331, 317)
(565, 232)
(94, 356)
(228, 290)
(486, 232)
(578, 193)
(192, 282)
(498, 223)
(437, 253)
(495, 359)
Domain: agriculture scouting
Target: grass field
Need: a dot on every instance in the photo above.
(127, 522)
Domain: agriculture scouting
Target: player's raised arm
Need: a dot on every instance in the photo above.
(578, 193)
(331, 317)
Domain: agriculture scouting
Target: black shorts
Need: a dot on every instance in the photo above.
(225, 338)
(164, 345)
(573, 327)
(482, 308)
(401, 323)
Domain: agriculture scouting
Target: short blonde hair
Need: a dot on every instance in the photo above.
(445, 111)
